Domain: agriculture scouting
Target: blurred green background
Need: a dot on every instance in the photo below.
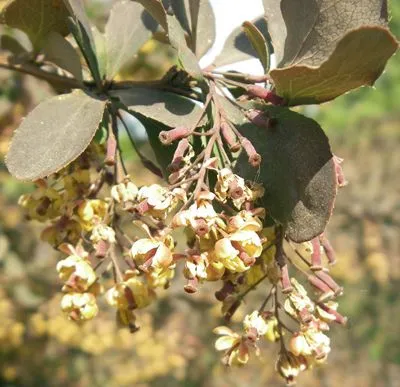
(174, 347)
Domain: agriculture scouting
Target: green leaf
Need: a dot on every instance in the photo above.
(237, 47)
(198, 20)
(311, 33)
(77, 11)
(125, 33)
(359, 59)
(163, 153)
(54, 134)
(87, 47)
(258, 42)
(101, 51)
(171, 109)
(36, 18)
(59, 51)
(177, 39)
(297, 172)
(156, 9)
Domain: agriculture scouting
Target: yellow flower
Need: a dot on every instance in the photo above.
(42, 204)
(77, 271)
(124, 192)
(244, 220)
(160, 200)
(92, 212)
(289, 366)
(235, 346)
(152, 254)
(298, 300)
(129, 294)
(238, 251)
(101, 232)
(79, 306)
(255, 321)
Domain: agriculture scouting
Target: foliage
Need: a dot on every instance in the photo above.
(250, 182)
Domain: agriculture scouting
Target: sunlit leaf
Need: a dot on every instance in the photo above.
(177, 39)
(171, 109)
(87, 46)
(297, 172)
(238, 47)
(258, 42)
(359, 59)
(329, 37)
(59, 51)
(198, 20)
(125, 33)
(55, 133)
(36, 18)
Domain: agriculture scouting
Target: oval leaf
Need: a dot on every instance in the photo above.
(55, 133)
(125, 33)
(171, 109)
(359, 59)
(36, 18)
(59, 51)
(297, 171)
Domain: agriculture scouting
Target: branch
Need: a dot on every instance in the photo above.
(6, 62)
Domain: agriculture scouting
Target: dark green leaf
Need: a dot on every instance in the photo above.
(297, 171)
(163, 153)
(125, 33)
(258, 42)
(54, 134)
(198, 20)
(171, 109)
(36, 18)
(177, 39)
(59, 51)
(359, 59)
(237, 47)
(310, 33)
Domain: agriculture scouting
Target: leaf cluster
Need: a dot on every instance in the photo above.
(323, 48)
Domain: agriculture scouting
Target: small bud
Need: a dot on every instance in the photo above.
(254, 157)
(265, 94)
(328, 249)
(316, 261)
(167, 137)
(285, 280)
(229, 137)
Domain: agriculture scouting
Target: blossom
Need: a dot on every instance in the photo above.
(239, 250)
(255, 321)
(124, 192)
(79, 306)
(298, 302)
(201, 211)
(43, 204)
(77, 272)
(159, 201)
(92, 212)
(289, 366)
(236, 348)
(131, 293)
(102, 232)
(150, 253)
